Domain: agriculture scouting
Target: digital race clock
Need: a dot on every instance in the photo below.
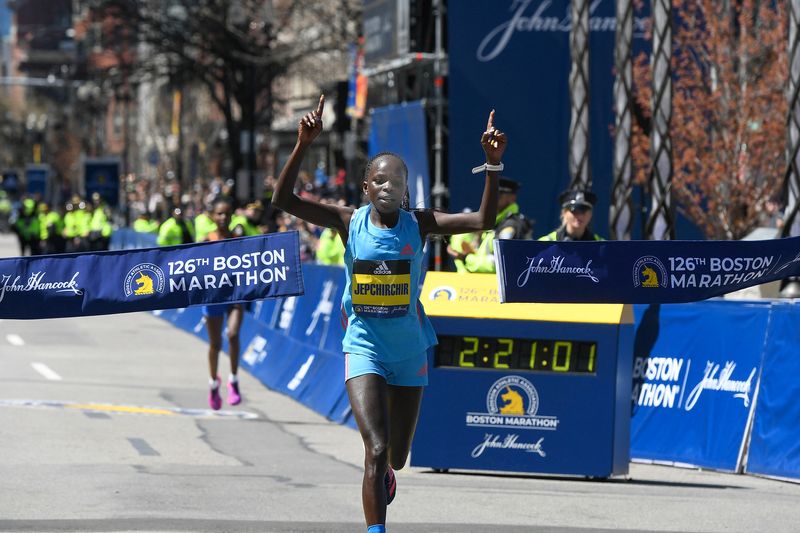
(523, 387)
(507, 353)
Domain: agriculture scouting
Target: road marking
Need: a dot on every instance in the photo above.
(130, 409)
(15, 339)
(142, 447)
(46, 371)
(102, 407)
(92, 414)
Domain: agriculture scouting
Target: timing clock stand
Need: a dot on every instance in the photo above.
(536, 388)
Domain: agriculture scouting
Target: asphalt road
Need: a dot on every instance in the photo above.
(104, 427)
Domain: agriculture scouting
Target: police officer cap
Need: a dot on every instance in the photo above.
(577, 198)
(507, 185)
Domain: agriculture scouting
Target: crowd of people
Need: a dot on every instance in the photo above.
(80, 225)
(176, 216)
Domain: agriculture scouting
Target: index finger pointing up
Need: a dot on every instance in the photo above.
(320, 105)
(489, 123)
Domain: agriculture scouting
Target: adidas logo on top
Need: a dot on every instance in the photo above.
(382, 268)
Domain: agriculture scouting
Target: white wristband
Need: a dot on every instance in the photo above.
(487, 166)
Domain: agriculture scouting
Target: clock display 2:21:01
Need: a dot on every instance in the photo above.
(505, 353)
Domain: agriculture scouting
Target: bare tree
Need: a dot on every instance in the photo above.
(729, 112)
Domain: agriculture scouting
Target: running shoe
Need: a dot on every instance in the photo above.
(391, 485)
(214, 399)
(234, 398)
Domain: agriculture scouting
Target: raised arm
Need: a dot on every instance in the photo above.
(283, 197)
(493, 142)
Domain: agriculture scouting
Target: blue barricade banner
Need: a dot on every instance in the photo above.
(318, 318)
(638, 271)
(234, 270)
(128, 239)
(284, 342)
(695, 376)
(775, 440)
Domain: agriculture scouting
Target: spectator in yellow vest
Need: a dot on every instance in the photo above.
(26, 226)
(143, 224)
(204, 225)
(330, 249)
(509, 224)
(175, 230)
(247, 224)
(51, 228)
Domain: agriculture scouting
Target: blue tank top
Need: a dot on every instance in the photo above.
(381, 296)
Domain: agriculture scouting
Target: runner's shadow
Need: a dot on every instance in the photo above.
(681, 484)
(643, 343)
(583, 479)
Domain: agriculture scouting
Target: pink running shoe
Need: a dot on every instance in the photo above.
(234, 398)
(391, 485)
(214, 399)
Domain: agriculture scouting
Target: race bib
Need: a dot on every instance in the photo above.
(381, 289)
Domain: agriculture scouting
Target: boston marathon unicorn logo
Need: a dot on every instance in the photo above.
(442, 293)
(145, 283)
(516, 395)
(144, 279)
(649, 272)
(650, 277)
(514, 404)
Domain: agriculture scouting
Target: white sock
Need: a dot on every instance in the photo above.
(213, 383)
(232, 378)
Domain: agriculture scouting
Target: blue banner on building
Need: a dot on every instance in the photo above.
(37, 181)
(234, 270)
(695, 376)
(102, 176)
(401, 129)
(638, 271)
(10, 182)
(514, 56)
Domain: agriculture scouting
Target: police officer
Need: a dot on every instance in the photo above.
(27, 228)
(99, 224)
(144, 224)
(576, 214)
(509, 224)
(330, 249)
(247, 225)
(5, 211)
(204, 225)
(77, 222)
(175, 230)
(51, 228)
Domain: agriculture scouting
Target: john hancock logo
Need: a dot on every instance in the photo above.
(144, 279)
(649, 272)
(512, 402)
